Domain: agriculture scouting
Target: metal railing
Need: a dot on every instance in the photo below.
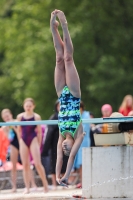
(53, 122)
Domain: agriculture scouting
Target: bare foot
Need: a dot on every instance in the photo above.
(54, 187)
(26, 191)
(53, 22)
(34, 189)
(61, 17)
(13, 190)
(46, 190)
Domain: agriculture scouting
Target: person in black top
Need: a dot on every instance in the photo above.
(51, 144)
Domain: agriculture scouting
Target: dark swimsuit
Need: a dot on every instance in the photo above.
(28, 132)
(14, 140)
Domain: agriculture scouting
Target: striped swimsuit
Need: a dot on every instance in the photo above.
(69, 116)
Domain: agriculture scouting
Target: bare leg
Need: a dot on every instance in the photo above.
(32, 180)
(54, 181)
(14, 159)
(24, 153)
(72, 77)
(60, 80)
(35, 151)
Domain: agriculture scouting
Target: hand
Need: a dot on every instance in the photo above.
(62, 181)
(58, 180)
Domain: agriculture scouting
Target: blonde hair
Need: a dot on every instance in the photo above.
(29, 99)
(124, 102)
(5, 110)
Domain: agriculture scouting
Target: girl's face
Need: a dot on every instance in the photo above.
(6, 116)
(28, 106)
(67, 145)
(106, 113)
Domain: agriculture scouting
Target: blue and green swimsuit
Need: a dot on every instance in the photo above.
(69, 116)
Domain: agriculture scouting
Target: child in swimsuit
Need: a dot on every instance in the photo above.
(67, 86)
(6, 115)
(13, 137)
(30, 141)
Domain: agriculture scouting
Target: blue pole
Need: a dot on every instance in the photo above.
(52, 122)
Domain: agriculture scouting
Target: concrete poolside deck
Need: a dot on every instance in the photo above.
(60, 193)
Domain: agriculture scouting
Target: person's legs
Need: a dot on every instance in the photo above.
(32, 180)
(60, 80)
(14, 159)
(24, 153)
(54, 141)
(35, 152)
(53, 177)
(72, 77)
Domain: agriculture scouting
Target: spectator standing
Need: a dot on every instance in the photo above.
(106, 111)
(7, 116)
(126, 105)
(30, 142)
(13, 136)
(4, 143)
(91, 132)
(51, 144)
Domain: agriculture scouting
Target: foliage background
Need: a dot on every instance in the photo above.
(102, 34)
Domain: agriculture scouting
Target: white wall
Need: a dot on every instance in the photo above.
(105, 166)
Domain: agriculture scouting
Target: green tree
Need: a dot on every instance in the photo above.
(102, 33)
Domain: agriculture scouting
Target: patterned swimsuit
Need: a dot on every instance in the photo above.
(69, 116)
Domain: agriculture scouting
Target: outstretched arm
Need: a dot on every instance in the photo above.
(73, 153)
(59, 161)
